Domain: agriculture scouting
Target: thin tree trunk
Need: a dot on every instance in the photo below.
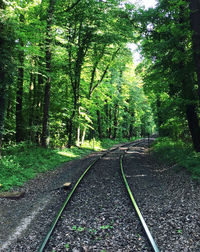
(99, 124)
(39, 109)
(2, 106)
(78, 135)
(131, 125)
(45, 124)
(83, 136)
(70, 133)
(19, 97)
(32, 101)
(19, 92)
(115, 121)
(110, 123)
(159, 116)
(71, 124)
(107, 118)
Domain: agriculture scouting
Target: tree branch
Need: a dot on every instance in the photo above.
(104, 73)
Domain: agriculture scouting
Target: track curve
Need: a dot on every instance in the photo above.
(115, 153)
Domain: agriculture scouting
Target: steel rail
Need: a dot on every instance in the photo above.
(45, 241)
(54, 223)
(147, 231)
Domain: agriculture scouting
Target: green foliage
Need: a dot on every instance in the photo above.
(91, 71)
(106, 227)
(67, 245)
(179, 231)
(177, 153)
(168, 69)
(24, 161)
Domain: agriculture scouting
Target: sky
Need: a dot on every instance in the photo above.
(148, 3)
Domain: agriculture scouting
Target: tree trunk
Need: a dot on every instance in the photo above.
(70, 133)
(32, 104)
(187, 79)
(70, 126)
(78, 136)
(115, 121)
(2, 106)
(99, 124)
(193, 123)
(107, 117)
(159, 116)
(110, 123)
(6, 45)
(131, 125)
(19, 97)
(195, 24)
(45, 124)
(39, 109)
(83, 136)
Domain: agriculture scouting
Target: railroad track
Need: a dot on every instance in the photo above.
(120, 151)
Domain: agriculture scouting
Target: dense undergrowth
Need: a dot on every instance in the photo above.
(24, 161)
(178, 153)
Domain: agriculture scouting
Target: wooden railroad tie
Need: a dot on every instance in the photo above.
(12, 195)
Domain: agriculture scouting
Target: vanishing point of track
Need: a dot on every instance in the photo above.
(59, 214)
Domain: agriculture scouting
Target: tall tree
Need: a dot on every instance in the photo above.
(6, 64)
(167, 43)
(20, 84)
(195, 24)
(48, 54)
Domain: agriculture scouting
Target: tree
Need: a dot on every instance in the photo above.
(48, 55)
(166, 41)
(71, 64)
(195, 25)
(6, 63)
(20, 84)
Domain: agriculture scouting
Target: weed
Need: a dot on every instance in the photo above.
(93, 231)
(179, 231)
(67, 246)
(106, 227)
(80, 229)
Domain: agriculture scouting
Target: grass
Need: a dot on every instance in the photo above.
(178, 153)
(24, 161)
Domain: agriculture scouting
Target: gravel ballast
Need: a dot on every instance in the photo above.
(100, 216)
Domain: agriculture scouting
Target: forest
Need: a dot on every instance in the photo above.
(68, 74)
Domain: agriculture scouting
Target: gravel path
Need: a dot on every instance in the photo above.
(100, 217)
